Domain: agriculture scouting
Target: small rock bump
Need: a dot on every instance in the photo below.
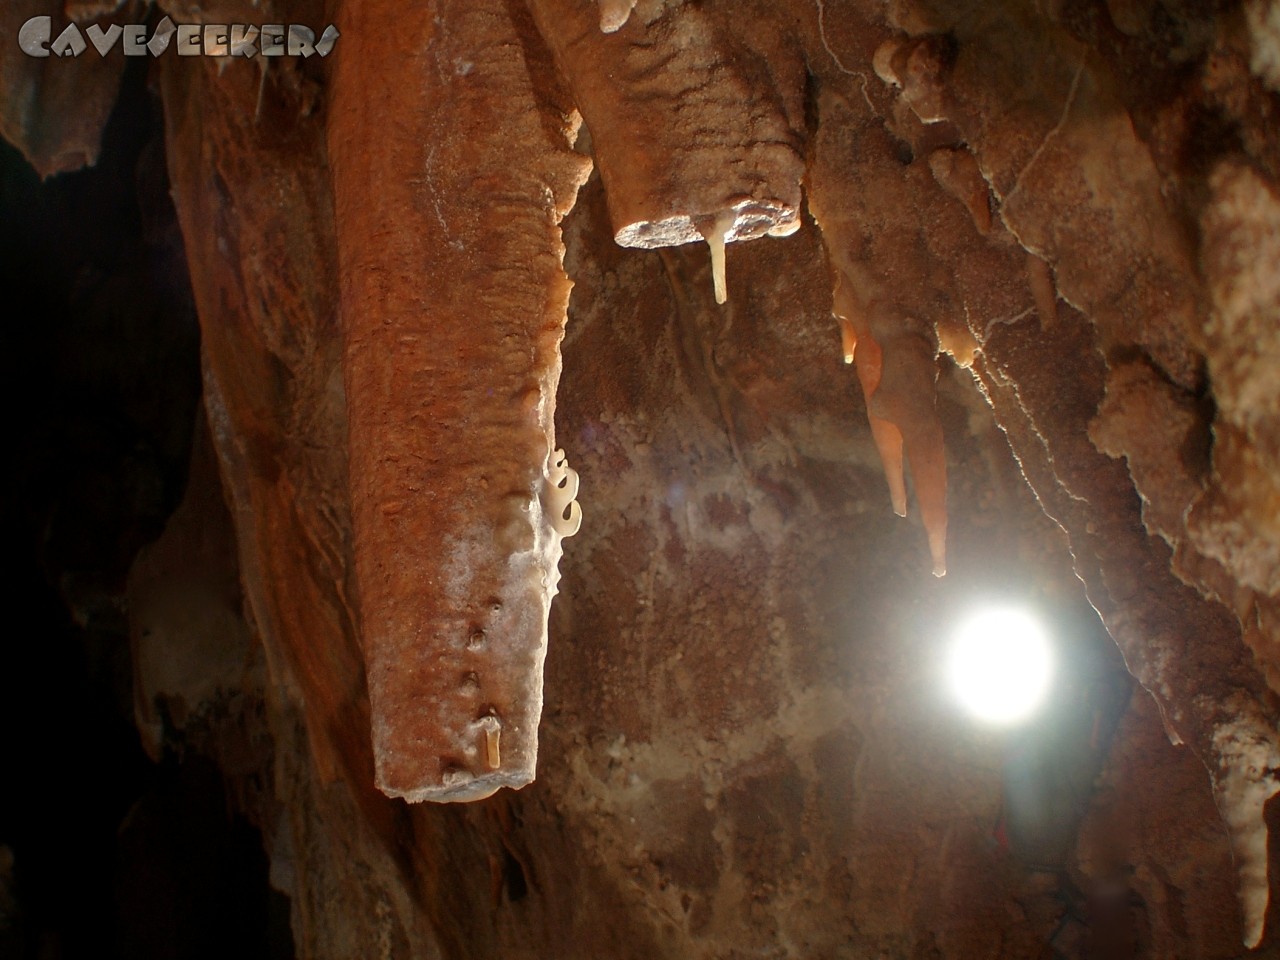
(453, 775)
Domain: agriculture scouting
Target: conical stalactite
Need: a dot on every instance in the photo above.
(886, 319)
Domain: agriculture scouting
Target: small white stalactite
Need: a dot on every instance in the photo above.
(716, 232)
(1245, 783)
(560, 495)
(848, 339)
(491, 729)
(614, 14)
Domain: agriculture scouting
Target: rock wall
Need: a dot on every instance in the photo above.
(1022, 254)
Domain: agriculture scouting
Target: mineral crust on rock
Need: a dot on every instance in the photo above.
(1043, 237)
(688, 126)
(453, 304)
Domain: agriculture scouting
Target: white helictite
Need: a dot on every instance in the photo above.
(1000, 664)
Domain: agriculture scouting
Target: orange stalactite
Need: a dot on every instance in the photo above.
(901, 414)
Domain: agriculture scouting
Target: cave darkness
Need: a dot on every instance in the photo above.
(112, 854)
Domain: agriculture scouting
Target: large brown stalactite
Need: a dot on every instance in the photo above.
(1018, 258)
(454, 470)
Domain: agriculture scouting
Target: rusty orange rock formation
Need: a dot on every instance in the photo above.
(691, 134)
(1043, 191)
(453, 299)
(887, 317)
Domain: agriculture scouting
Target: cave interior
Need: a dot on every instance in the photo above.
(504, 478)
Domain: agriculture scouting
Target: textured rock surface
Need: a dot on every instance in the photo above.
(1057, 224)
(696, 126)
(456, 273)
(55, 110)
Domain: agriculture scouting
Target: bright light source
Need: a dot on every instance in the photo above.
(1000, 664)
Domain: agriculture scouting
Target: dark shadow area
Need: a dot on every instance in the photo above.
(102, 852)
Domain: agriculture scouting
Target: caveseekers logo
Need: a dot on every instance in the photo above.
(190, 39)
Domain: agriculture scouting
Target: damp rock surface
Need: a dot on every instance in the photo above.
(766, 274)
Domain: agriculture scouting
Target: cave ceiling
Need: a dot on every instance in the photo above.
(606, 409)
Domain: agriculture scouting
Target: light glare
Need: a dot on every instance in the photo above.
(1000, 665)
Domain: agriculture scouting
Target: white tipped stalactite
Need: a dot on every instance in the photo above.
(684, 133)
(451, 368)
(716, 232)
(614, 14)
(1249, 757)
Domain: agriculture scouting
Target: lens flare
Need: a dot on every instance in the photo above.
(1000, 665)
